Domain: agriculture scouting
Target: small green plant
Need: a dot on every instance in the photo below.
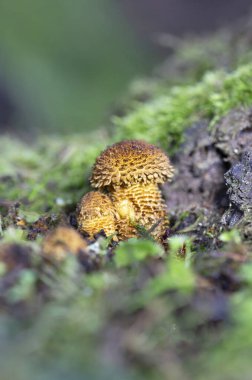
(231, 236)
(134, 250)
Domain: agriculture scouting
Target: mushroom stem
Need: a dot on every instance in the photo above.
(145, 203)
(125, 217)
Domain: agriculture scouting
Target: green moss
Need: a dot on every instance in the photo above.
(133, 250)
(47, 176)
(163, 120)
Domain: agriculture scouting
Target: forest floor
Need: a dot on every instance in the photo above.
(176, 310)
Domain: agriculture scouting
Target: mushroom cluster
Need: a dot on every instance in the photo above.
(126, 176)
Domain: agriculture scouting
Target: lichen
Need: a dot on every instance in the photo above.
(239, 183)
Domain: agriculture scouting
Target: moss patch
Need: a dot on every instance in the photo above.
(163, 120)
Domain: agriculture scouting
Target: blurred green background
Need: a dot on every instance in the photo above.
(64, 63)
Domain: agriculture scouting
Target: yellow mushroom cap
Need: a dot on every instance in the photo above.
(61, 241)
(95, 213)
(129, 162)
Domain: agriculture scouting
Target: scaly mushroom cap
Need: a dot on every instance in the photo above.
(61, 241)
(95, 213)
(129, 162)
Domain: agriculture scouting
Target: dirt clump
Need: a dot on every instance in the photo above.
(232, 136)
(198, 180)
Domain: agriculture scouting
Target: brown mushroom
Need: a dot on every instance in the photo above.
(61, 241)
(131, 172)
(96, 212)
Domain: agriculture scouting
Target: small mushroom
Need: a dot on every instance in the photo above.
(62, 241)
(95, 213)
(130, 171)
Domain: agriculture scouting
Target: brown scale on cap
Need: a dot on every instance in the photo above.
(96, 212)
(131, 172)
(61, 241)
(129, 162)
